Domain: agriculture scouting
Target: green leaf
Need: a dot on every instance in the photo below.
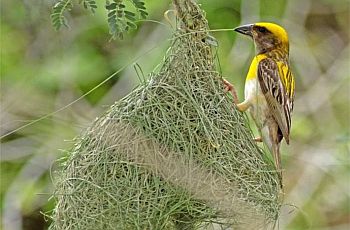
(120, 19)
(140, 5)
(130, 18)
(143, 14)
(140, 8)
(111, 6)
(129, 13)
(131, 25)
(113, 12)
(89, 4)
(57, 16)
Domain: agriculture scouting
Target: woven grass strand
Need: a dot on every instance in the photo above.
(173, 154)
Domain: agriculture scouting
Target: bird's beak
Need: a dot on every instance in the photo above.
(245, 29)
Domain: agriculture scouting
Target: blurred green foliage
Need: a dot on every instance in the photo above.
(120, 18)
(43, 70)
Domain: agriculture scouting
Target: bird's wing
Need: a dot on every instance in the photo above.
(277, 84)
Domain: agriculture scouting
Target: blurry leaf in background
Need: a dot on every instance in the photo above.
(57, 16)
(120, 18)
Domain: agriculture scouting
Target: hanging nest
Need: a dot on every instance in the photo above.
(173, 154)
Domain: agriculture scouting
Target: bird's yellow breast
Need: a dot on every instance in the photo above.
(252, 92)
(252, 73)
(252, 87)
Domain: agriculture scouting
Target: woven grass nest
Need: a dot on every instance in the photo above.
(173, 154)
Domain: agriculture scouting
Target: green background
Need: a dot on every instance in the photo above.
(43, 71)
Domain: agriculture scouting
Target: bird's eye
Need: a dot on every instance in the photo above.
(262, 29)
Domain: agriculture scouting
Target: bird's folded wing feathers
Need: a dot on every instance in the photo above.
(278, 100)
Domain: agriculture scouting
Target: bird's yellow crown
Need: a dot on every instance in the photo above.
(277, 30)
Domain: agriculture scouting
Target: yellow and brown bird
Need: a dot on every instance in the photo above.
(269, 86)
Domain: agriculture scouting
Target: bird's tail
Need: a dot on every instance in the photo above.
(277, 159)
(272, 138)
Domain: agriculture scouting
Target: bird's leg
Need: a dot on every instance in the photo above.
(231, 88)
(258, 139)
(243, 106)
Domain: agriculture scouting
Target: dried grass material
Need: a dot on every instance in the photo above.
(173, 154)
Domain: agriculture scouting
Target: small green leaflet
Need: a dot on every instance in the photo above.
(120, 19)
